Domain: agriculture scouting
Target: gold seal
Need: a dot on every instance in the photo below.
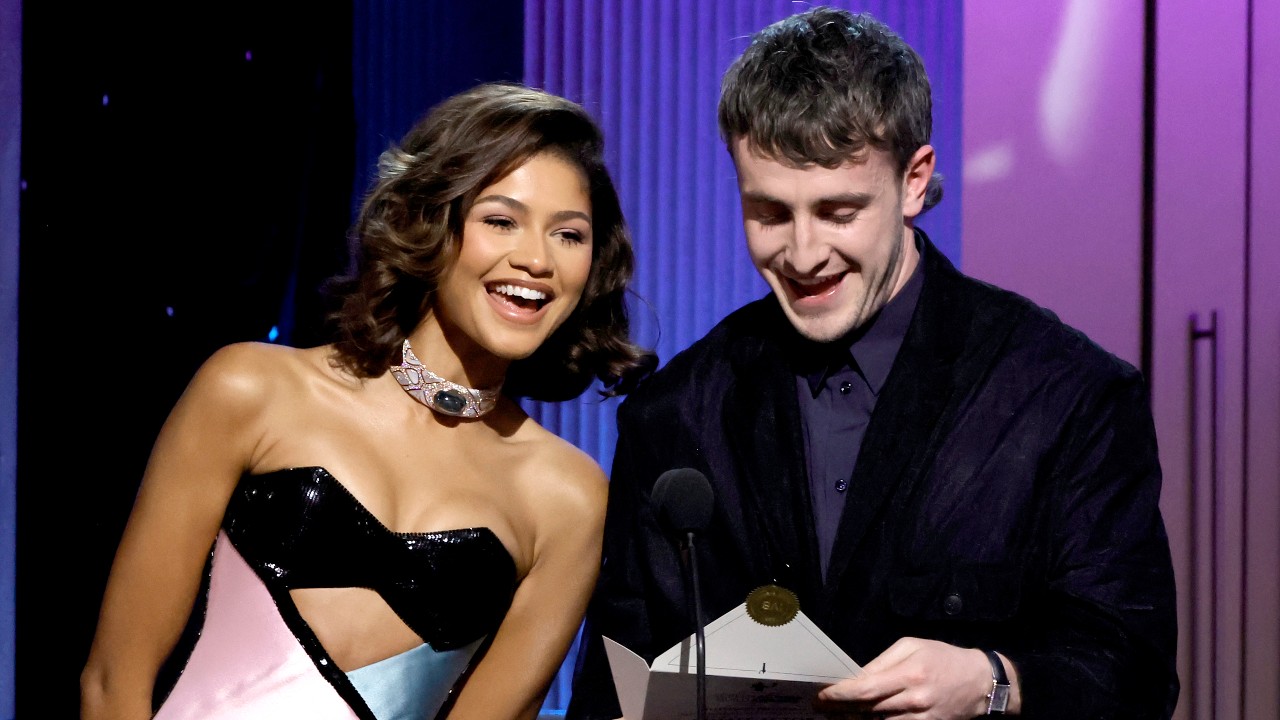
(772, 605)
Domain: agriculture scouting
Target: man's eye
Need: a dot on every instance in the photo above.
(842, 218)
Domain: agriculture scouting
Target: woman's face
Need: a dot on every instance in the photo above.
(524, 259)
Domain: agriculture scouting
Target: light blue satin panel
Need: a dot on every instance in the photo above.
(414, 684)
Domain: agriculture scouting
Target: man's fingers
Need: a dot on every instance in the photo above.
(867, 689)
(896, 653)
(876, 683)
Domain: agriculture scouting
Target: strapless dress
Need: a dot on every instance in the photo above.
(254, 656)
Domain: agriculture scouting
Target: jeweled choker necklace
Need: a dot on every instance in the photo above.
(443, 396)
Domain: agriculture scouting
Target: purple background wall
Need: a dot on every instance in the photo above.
(1216, 345)
(1119, 164)
(10, 134)
(1053, 163)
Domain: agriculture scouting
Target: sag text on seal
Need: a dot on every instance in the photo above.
(772, 605)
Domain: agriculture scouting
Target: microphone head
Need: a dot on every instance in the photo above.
(683, 500)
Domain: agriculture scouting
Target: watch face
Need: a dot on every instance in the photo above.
(999, 700)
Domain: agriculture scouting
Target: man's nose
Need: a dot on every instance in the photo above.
(806, 252)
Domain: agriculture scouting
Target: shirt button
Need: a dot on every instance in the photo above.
(846, 387)
(842, 485)
(953, 604)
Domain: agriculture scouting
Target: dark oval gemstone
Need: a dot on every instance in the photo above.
(450, 401)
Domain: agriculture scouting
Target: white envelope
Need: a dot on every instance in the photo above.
(753, 671)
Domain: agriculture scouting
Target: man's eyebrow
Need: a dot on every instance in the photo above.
(755, 196)
(857, 199)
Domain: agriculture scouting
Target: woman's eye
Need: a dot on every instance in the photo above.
(573, 237)
(499, 222)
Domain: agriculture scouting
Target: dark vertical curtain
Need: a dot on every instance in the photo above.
(650, 73)
(407, 56)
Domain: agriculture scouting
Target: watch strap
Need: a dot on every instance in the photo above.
(998, 698)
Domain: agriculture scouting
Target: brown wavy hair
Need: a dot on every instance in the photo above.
(407, 235)
(819, 86)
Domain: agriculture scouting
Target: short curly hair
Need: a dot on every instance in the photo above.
(407, 235)
(819, 86)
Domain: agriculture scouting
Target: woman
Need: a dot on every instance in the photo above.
(392, 536)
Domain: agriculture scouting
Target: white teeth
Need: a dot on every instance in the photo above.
(521, 292)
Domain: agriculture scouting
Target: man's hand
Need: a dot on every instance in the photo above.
(918, 680)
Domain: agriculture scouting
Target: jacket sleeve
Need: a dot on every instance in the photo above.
(620, 605)
(1108, 641)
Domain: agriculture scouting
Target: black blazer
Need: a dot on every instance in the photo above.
(1005, 497)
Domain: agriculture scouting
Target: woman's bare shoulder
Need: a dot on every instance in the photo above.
(253, 374)
(566, 476)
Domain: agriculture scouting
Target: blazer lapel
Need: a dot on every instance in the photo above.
(762, 423)
(906, 419)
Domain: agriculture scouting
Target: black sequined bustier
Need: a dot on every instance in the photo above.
(300, 528)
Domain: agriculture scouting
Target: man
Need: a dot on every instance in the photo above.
(957, 486)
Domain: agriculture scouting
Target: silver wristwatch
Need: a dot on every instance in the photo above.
(998, 698)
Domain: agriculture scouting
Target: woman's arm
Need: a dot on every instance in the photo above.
(204, 446)
(512, 679)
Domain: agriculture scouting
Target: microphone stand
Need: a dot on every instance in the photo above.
(700, 639)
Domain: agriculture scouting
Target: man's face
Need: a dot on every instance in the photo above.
(834, 244)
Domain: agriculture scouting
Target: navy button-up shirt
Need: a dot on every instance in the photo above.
(837, 386)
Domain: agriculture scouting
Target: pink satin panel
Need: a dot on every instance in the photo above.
(247, 664)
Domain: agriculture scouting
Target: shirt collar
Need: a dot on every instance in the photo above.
(870, 348)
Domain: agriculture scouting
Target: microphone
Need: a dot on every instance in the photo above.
(684, 501)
